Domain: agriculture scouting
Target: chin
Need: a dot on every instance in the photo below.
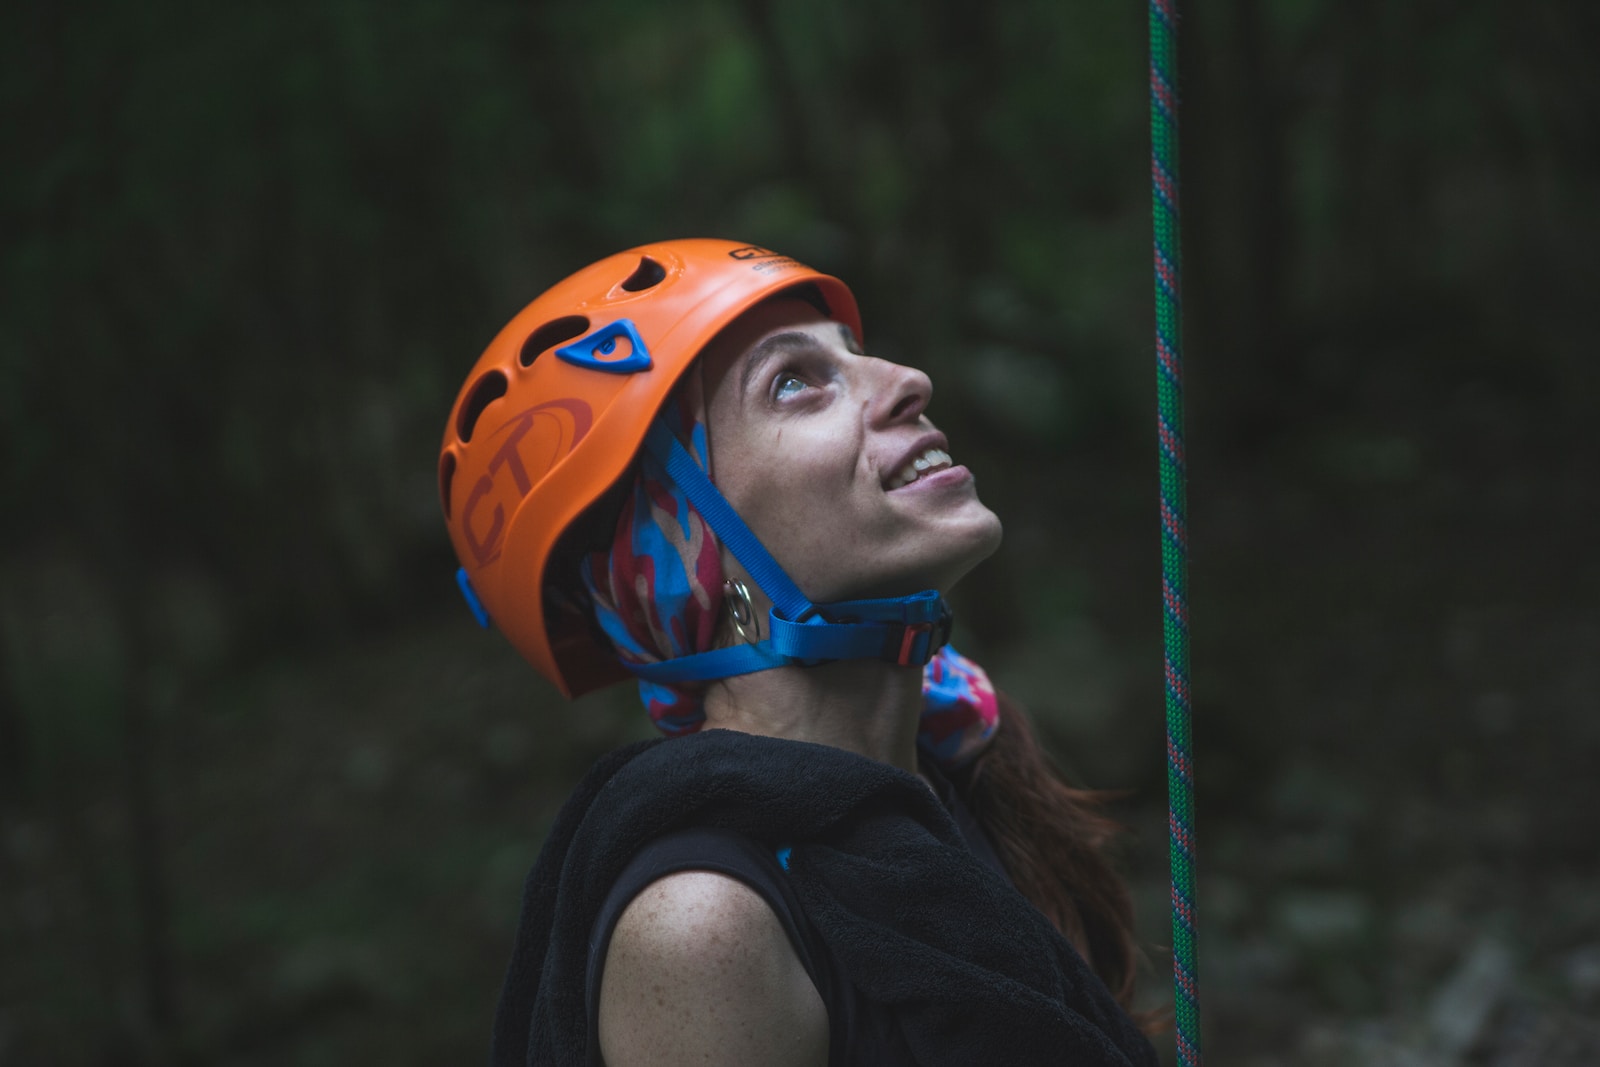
(978, 544)
(941, 560)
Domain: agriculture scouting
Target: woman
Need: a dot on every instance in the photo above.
(680, 465)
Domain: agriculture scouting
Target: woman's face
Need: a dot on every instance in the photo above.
(818, 447)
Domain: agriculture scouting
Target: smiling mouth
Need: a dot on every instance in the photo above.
(929, 461)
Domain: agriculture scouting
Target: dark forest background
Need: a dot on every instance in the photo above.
(267, 795)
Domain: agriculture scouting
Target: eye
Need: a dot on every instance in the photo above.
(787, 386)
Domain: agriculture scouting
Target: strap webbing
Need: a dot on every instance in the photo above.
(707, 499)
(907, 630)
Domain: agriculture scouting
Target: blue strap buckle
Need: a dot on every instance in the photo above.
(587, 351)
(918, 642)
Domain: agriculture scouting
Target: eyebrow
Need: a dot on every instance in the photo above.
(779, 344)
(852, 343)
(787, 343)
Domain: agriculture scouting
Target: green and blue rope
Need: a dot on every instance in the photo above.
(1174, 516)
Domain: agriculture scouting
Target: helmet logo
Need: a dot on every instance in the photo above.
(765, 260)
(595, 352)
(561, 424)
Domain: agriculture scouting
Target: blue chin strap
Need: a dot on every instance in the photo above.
(907, 630)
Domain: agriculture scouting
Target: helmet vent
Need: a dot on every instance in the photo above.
(648, 275)
(551, 334)
(447, 474)
(485, 390)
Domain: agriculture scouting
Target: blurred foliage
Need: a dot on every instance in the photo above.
(251, 248)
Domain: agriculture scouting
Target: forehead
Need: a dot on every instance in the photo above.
(743, 339)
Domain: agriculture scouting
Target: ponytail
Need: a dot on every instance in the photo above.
(1052, 839)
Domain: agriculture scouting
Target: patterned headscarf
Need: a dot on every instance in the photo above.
(657, 593)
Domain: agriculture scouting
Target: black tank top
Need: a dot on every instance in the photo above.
(860, 1031)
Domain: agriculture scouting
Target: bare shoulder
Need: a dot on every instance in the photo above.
(700, 971)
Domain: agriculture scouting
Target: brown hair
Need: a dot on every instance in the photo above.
(1053, 840)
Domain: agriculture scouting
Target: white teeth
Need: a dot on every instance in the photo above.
(932, 459)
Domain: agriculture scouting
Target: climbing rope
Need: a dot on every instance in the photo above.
(1174, 515)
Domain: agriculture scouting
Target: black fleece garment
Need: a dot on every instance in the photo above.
(973, 972)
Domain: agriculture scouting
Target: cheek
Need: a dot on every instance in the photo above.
(795, 490)
(792, 474)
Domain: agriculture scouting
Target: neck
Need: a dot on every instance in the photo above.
(864, 706)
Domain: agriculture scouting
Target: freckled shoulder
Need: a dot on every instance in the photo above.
(700, 971)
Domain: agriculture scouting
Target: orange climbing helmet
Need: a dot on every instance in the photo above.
(554, 413)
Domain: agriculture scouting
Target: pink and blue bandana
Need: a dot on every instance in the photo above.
(657, 593)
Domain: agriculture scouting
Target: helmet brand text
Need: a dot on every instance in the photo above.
(561, 424)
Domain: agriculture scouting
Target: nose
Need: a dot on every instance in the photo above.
(901, 395)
